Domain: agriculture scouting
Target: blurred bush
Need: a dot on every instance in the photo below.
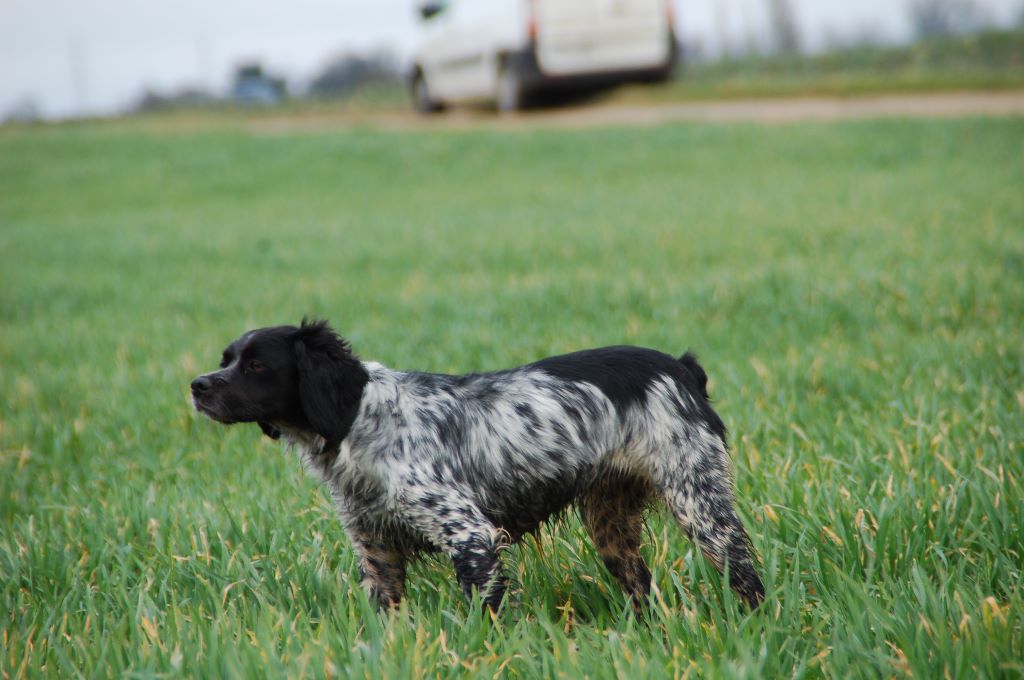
(348, 73)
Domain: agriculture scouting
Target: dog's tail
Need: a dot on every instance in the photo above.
(689, 361)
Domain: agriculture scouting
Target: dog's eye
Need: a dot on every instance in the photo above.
(254, 366)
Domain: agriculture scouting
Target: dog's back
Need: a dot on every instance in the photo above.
(611, 429)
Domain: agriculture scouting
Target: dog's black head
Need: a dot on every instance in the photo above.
(303, 377)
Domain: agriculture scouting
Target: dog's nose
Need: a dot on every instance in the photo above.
(201, 384)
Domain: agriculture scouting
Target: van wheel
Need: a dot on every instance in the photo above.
(511, 95)
(422, 100)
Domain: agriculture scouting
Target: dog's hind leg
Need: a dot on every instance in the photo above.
(612, 512)
(697, 486)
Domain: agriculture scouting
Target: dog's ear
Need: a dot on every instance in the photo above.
(331, 380)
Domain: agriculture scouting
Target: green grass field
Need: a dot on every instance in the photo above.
(855, 291)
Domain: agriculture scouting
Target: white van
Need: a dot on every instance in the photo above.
(505, 50)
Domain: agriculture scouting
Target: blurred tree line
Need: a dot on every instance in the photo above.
(944, 18)
(929, 19)
(252, 84)
(345, 74)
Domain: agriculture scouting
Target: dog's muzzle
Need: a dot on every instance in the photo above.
(203, 397)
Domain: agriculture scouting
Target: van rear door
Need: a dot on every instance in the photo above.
(594, 36)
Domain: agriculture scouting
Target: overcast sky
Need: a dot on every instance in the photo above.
(96, 56)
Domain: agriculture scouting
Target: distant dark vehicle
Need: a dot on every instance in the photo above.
(254, 86)
(507, 50)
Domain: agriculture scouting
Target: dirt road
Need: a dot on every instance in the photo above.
(617, 114)
(791, 110)
(765, 111)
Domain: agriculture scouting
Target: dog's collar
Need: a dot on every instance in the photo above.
(328, 448)
(316, 445)
(270, 430)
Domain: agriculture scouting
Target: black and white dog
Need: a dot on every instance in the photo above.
(466, 463)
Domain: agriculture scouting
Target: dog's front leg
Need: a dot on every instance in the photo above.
(456, 525)
(478, 566)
